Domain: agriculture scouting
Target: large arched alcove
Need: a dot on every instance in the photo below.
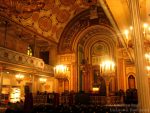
(90, 41)
(93, 45)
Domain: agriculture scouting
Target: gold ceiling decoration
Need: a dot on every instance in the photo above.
(21, 6)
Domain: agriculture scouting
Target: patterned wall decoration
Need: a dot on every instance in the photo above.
(67, 2)
(63, 16)
(49, 4)
(35, 16)
(55, 9)
(100, 50)
(55, 13)
(58, 32)
(26, 15)
(45, 23)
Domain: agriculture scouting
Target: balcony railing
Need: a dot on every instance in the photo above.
(13, 57)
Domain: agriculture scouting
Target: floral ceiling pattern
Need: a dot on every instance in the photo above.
(52, 19)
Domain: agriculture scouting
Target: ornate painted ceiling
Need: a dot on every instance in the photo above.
(51, 20)
(48, 24)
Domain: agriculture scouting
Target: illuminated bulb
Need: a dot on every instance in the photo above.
(131, 28)
(145, 25)
(126, 32)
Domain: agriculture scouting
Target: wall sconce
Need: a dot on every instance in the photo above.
(19, 77)
(42, 80)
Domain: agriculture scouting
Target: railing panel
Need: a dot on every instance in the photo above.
(13, 57)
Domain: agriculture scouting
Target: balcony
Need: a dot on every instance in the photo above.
(19, 59)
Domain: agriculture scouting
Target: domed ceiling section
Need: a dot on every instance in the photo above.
(51, 20)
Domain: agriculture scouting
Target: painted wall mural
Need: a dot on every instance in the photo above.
(100, 49)
(99, 52)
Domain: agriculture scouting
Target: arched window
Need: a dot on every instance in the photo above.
(131, 81)
(29, 51)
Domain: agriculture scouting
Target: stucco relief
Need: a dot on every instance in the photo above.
(100, 50)
(49, 4)
(45, 23)
(58, 32)
(63, 16)
(35, 16)
(55, 9)
(25, 15)
(67, 2)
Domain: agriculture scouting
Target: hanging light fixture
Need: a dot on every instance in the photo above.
(107, 71)
(60, 72)
(21, 6)
(42, 80)
(146, 38)
(19, 77)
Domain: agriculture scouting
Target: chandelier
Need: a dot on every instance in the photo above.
(107, 71)
(42, 80)
(19, 77)
(107, 67)
(61, 72)
(146, 38)
(21, 6)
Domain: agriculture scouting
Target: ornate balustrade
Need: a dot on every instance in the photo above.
(48, 69)
(12, 57)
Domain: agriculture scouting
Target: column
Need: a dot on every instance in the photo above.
(53, 55)
(1, 81)
(34, 83)
(35, 47)
(107, 88)
(142, 80)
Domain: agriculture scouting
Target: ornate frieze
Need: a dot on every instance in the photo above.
(66, 58)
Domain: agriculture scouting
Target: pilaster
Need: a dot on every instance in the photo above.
(142, 80)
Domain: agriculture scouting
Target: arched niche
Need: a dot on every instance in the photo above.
(131, 82)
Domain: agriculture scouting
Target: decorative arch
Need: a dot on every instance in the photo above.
(77, 26)
(93, 35)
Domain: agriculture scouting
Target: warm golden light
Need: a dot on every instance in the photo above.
(107, 66)
(131, 28)
(15, 95)
(126, 32)
(42, 80)
(19, 77)
(95, 89)
(147, 57)
(61, 71)
(145, 25)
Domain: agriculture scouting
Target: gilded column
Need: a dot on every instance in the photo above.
(53, 55)
(142, 80)
(1, 81)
